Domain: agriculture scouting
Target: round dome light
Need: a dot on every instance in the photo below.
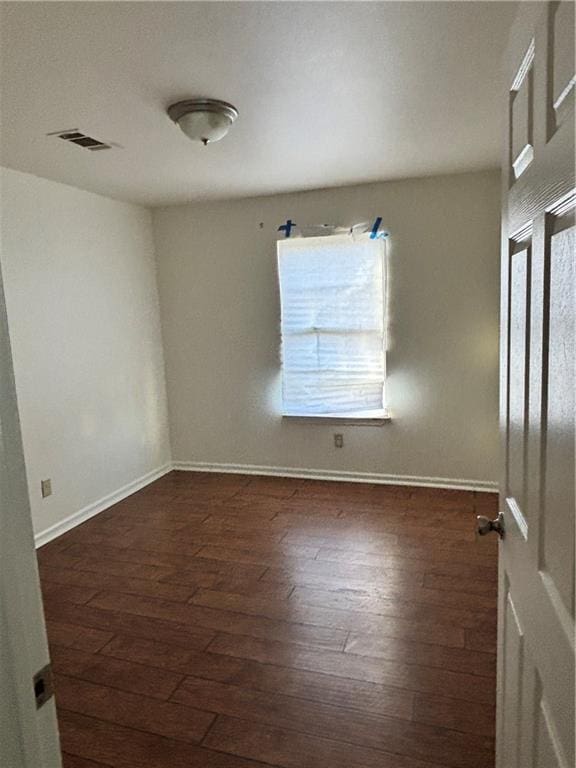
(205, 120)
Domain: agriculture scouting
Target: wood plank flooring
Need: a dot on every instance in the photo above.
(227, 621)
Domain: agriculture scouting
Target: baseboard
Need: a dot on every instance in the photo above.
(252, 469)
(99, 506)
(350, 477)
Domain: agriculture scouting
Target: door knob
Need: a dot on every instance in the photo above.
(487, 526)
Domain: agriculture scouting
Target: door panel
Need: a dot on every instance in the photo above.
(513, 671)
(522, 95)
(536, 665)
(561, 31)
(548, 749)
(557, 545)
(519, 350)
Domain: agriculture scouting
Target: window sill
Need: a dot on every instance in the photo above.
(362, 419)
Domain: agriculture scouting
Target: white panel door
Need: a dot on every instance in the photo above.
(537, 581)
(28, 728)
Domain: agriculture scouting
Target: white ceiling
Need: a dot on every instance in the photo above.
(328, 93)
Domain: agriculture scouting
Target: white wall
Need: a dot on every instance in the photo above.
(81, 294)
(220, 321)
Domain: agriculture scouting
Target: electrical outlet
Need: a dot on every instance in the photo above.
(338, 441)
(46, 487)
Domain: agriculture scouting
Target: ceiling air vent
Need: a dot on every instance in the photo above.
(74, 136)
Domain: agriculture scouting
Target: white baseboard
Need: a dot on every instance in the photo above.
(252, 469)
(99, 506)
(350, 477)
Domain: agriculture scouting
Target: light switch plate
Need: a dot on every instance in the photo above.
(46, 487)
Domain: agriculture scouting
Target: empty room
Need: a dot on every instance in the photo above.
(287, 384)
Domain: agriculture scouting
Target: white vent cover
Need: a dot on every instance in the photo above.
(73, 136)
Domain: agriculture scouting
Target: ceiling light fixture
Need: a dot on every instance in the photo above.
(204, 120)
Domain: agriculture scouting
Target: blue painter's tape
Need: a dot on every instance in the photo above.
(375, 234)
(287, 227)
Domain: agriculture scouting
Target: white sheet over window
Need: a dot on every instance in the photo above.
(332, 293)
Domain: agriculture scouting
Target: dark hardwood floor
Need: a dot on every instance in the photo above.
(226, 621)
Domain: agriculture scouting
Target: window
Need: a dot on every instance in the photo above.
(332, 294)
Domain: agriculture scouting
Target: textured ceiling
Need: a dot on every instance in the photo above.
(328, 93)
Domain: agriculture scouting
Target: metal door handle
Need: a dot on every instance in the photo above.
(487, 526)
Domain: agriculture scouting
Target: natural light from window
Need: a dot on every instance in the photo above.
(332, 293)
